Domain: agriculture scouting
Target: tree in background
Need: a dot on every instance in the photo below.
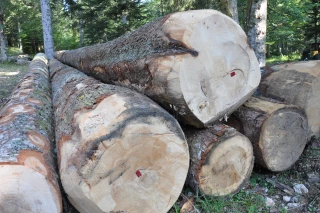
(312, 27)
(47, 29)
(257, 29)
(2, 38)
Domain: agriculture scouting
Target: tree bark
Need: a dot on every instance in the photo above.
(257, 29)
(221, 160)
(118, 150)
(2, 37)
(299, 84)
(47, 29)
(278, 132)
(27, 161)
(196, 64)
(230, 8)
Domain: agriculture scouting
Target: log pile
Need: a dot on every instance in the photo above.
(27, 162)
(278, 132)
(118, 151)
(299, 84)
(196, 64)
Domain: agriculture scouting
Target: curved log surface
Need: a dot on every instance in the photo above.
(221, 160)
(196, 64)
(27, 159)
(118, 150)
(278, 132)
(299, 84)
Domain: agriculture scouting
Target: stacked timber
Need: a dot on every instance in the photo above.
(277, 131)
(118, 150)
(299, 84)
(196, 64)
(221, 160)
(27, 162)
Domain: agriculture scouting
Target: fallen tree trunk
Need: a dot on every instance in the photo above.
(298, 84)
(221, 160)
(27, 162)
(196, 64)
(278, 132)
(118, 150)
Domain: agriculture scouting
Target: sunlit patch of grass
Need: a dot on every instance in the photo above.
(13, 51)
(283, 59)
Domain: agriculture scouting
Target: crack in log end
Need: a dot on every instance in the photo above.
(87, 150)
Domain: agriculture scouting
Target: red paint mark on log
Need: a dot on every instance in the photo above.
(138, 173)
(232, 74)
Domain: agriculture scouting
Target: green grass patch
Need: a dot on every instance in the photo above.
(282, 59)
(13, 51)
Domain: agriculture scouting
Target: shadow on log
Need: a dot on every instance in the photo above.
(118, 150)
(196, 64)
(278, 132)
(27, 162)
(221, 160)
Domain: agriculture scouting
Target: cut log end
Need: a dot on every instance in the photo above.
(213, 83)
(283, 139)
(25, 190)
(134, 168)
(227, 167)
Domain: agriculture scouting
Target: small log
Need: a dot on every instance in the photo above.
(118, 150)
(196, 64)
(221, 160)
(277, 131)
(27, 160)
(298, 84)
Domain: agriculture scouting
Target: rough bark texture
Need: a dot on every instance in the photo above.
(118, 150)
(27, 161)
(47, 29)
(221, 160)
(257, 29)
(298, 84)
(2, 38)
(278, 132)
(230, 8)
(196, 64)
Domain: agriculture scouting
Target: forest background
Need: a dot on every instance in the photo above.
(292, 25)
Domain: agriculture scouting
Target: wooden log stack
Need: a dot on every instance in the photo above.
(277, 131)
(118, 150)
(197, 64)
(27, 162)
(299, 84)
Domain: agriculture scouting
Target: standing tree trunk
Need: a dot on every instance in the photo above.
(230, 8)
(2, 37)
(257, 29)
(196, 64)
(19, 35)
(221, 160)
(278, 132)
(118, 150)
(47, 29)
(27, 160)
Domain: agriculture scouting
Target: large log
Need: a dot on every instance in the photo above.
(27, 161)
(221, 160)
(196, 64)
(299, 84)
(118, 150)
(277, 131)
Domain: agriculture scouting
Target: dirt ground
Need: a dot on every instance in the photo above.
(263, 184)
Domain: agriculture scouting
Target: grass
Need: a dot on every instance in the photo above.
(13, 51)
(282, 59)
(10, 75)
